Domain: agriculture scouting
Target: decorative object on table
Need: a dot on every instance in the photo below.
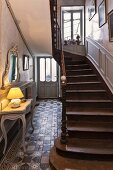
(65, 42)
(78, 40)
(110, 25)
(92, 9)
(25, 62)
(102, 13)
(15, 94)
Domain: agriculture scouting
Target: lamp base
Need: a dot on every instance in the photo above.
(15, 103)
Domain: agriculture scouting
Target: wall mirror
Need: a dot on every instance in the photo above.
(11, 72)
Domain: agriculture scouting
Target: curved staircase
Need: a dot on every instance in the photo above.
(89, 117)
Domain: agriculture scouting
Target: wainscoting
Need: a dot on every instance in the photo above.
(75, 49)
(102, 60)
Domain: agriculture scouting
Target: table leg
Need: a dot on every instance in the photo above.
(4, 133)
(24, 130)
(32, 120)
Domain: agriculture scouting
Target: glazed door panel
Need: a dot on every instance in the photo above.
(48, 84)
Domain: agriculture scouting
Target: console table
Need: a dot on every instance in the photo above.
(14, 114)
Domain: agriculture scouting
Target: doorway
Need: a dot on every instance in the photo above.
(47, 78)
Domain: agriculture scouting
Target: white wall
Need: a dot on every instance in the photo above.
(101, 35)
(99, 48)
(33, 17)
(9, 37)
(71, 2)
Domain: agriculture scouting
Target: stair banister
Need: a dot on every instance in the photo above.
(63, 87)
(57, 48)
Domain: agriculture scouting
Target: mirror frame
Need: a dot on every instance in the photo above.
(14, 51)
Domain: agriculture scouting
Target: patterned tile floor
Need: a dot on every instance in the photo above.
(47, 127)
(47, 122)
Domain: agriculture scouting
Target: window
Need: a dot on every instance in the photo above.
(54, 70)
(42, 69)
(67, 26)
(48, 70)
(48, 73)
(76, 24)
(72, 24)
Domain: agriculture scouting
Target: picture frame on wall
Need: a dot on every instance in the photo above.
(110, 25)
(92, 9)
(25, 62)
(102, 13)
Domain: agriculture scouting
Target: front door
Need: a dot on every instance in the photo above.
(47, 84)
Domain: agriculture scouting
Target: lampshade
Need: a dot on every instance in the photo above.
(15, 93)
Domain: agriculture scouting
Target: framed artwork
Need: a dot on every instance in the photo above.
(110, 25)
(92, 9)
(25, 62)
(102, 13)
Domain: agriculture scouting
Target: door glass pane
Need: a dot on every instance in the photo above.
(67, 26)
(42, 69)
(76, 24)
(54, 70)
(48, 74)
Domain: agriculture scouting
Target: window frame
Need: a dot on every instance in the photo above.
(81, 21)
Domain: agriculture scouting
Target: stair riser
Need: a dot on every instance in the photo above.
(82, 72)
(71, 62)
(85, 148)
(77, 67)
(81, 79)
(90, 135)
(90, 86)
(92, 118)
(86, 95)
(84, 156)
(89, 104)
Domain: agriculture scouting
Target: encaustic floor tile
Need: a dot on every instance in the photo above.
(38, 144)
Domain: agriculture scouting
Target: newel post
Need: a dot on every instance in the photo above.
(63, 121)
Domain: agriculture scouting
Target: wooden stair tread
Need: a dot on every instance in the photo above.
(87, 75)
(90, 126)
(69, 65)
(100, 112)
(89, 101)
(79, 70)
(91, 82)
(87, 146)
(86, 91)
(58, 162)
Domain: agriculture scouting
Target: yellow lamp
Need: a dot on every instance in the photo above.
(15, 94)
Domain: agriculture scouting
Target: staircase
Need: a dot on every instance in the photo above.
(89, 117)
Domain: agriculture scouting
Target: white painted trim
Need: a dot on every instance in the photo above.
(98, 65)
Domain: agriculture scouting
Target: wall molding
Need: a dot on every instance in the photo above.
(18, 27)
(75, 49)
(101, 59)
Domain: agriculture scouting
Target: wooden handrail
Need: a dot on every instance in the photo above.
(63, 87)
(63, 70)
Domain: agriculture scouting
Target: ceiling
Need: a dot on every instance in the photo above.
(33, 17)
